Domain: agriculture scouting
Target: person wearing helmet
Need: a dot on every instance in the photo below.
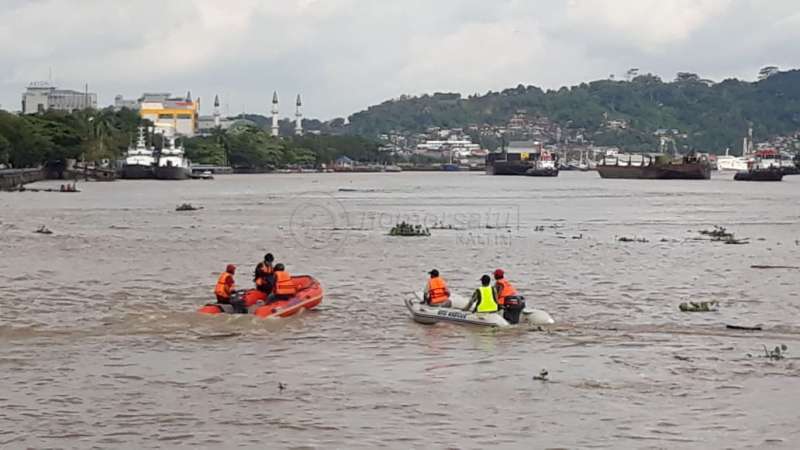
(262, 275)
(436, 291)
(483, 299)
(503, 288)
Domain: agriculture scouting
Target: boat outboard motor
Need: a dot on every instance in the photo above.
(513, 308)
(238, 303)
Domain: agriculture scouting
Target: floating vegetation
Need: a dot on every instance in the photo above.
(442, 226)
(407, 229)
(542, 375)
(778, 353)
(633, 239)
(699, 306)
(717, 234)
(187, 207)
(43, 230)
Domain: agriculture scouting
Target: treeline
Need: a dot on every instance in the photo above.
(249, 146)
(713, 116)
(94, 135)
(31, 140)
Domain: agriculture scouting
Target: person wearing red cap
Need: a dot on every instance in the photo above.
(503, 288)
(225, 285)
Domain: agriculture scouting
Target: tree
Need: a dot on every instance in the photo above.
(686, 77)
(767, 72)
(631, 73)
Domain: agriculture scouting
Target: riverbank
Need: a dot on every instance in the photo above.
(12, 178)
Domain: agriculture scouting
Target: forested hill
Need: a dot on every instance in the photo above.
(713, 116)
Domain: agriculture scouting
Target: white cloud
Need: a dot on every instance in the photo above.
(346, 54)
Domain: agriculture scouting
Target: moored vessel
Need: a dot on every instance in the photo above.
(172, 162)
(662, 167)
(139, 160)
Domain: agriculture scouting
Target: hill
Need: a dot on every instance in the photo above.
(707, 116)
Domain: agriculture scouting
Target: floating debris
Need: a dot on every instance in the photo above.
(633, 239)
(699, 306)
(762, 266)
(187, 207)
(778, 353)
(718, 232)
(539, 228)
(442, 226)
(43, 230)
(407, 229)
(542, 375)
(281, 386)
(734, 241)
(580, 236)
(745, 328)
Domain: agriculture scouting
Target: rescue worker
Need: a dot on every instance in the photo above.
(283, 287)
(483, 298)
(225, 285)
(262, 275)
(436, 291)
(503, 288)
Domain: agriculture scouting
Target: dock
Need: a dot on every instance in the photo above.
(11, 178)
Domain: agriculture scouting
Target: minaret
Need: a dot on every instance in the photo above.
(216, 111)
(275, 113)
(188, 96)
(298, 118)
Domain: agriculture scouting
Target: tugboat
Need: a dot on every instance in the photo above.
(139, 160)
(662, 167)
(544, 166)
(172, 162)
(764, 168)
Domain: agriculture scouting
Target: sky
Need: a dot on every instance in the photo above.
(345, 55)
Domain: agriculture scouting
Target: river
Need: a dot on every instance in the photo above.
(100, 345)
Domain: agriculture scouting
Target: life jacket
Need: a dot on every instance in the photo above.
(224, 285)
(284, 285)
(506, 290)
(486, 302)
(437, 291)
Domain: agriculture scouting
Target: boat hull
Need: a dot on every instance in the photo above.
(685, 171)
(508, 167)
(137, 172)
(759, 175)
(429, 315)
(309, 295)
(548, 172)
(172, 173)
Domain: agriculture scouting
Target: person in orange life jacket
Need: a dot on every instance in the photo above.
(436, 291)
(284, 287)
(224, 290)
(262, 275)
(225, 285)
(503, 288)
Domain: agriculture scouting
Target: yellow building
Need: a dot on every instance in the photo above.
(179, 114)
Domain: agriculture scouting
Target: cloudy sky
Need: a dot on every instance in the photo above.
(344, 55)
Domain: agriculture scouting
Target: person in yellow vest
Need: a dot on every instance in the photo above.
(484, 298)
(436, 291)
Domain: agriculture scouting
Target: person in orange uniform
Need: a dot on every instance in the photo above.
(262, 275)
(225, 285)
(284, 287)
(503, 288)
(436, 291)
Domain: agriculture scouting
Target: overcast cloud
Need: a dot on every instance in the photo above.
(344, 55)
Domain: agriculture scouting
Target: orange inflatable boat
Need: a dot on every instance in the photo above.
(308, 296)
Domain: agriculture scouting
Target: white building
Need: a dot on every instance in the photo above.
(42, 96)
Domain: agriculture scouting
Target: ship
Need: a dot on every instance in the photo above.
(507, 162)
(543, 166)
(662, 167)
(172, 162)
(139, 160)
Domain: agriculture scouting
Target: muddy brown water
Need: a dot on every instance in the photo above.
(100, 346)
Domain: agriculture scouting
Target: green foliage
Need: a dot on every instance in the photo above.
(32, 140)
(712, 115)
